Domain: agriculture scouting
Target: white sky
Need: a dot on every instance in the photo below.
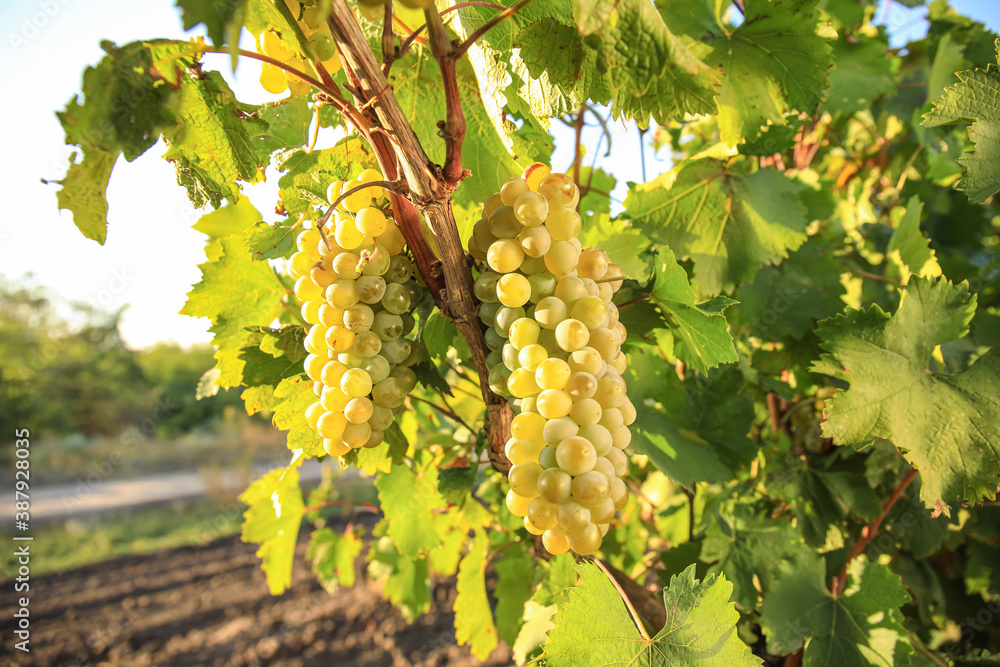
(149, 261)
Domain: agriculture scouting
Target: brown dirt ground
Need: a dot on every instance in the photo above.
(209, 606)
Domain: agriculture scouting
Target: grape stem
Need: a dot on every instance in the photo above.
(443, 410)
(869, 532)
(392, 186)
(404, 47)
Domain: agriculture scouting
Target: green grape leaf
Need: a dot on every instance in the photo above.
(949, 59)
(407, 583)
(333, 556)
(700, 332)
(123, 111)
(727, 223)
(974, 100)
(226, 221)
(515, 577)
(473, 616)
(408, 500)
(787, 300)
(272, 520)
(946, 426)
(271, 355)
(456, 483)
(592, 15)
(296, 394)
(272, 241)
(287, 126)
(663, 79)
(861, 627)
(542, 40)
(220, 18)
(745, 544)
(774, 62)
(553, 590)
(212, 146)
(439, 334)
(909, 251)
(594, 627)
(862, 75)
(84, 193)
(692, 431)
(234, 291)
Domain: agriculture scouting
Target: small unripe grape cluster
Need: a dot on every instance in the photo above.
(555, 343)
(275, 79)
(357, 291)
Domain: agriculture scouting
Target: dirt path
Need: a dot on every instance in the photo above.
(210, 607)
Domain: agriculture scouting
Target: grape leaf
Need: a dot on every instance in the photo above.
(700, 432)
(408, 500)
(909, 252)
(296, 394)
(700, 332)
(862, 627)
(727, 223)
(549, 47)
(974, 99)
(407, 582)
(84, 193)
(234, 291)
(272, 520)
(623, 244)
(594, 627)
(663, 79)
(946, 426)
(287, 126)
(515, 578)
(220, 17)
(773, 62)
(277, 241)
(333, 556)
(456, 483)
(747, 545)
(863, 74)
(271, 355)
(212, 144)
(787, 300)
(473, 616)
(124, 110)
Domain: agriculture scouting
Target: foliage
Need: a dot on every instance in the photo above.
(813, 307)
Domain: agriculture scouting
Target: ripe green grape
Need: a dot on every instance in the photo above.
(323, 45)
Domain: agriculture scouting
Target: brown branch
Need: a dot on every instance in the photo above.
(416, 33)
(644, 601)
(869, 532)
(443, 410)
(452, 130)
(450, 280)
(794, 659)
(577, 158)
(484, 28)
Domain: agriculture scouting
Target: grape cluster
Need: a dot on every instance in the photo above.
(555, 343)
(276, 80)
(357, 291)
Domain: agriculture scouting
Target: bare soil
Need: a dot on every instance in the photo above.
(209, 606)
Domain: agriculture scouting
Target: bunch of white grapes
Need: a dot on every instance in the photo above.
(555, 343)
(357, 291)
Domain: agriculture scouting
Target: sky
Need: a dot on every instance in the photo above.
(150, 259)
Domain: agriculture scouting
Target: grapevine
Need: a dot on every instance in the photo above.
(745, 409)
